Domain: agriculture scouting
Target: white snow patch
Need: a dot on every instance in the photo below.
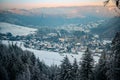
(106, 41)
(50, 58)
(15, 29)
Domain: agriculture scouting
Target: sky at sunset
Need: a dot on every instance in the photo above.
(46, 3)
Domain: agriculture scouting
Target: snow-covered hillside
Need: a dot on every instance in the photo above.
(51, 57)
(15, 29)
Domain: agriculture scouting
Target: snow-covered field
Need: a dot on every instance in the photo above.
(51, 57)
(15, 29)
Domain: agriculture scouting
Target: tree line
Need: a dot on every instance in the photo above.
(16, 64)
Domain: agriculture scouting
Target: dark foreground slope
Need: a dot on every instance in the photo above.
(16, 64)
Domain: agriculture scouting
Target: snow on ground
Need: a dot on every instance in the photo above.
(51, 57)
(106, 41)
(15, 29)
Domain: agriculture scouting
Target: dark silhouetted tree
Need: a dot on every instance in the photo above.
(101, 69)
(86, 70)
(114, 64)
(66, 70)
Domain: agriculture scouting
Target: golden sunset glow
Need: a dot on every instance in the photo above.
(38, 5)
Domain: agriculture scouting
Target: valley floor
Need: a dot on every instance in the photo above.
(49, 57)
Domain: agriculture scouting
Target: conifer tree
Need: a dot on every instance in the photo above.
(101, 69)
(75, 69)
(66, 70)
(114, 64)
(86, 70)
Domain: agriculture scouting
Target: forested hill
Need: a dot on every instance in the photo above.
(16, 64)
(44, 20)
(108, 28)
(55, 16)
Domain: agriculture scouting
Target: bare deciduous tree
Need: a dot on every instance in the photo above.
(117, 3)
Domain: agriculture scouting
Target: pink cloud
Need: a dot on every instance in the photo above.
(38, 5)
